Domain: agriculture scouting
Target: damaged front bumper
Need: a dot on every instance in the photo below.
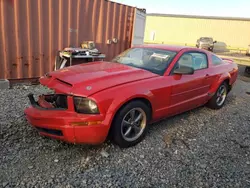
(54, 119)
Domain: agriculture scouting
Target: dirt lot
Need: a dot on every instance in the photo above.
(207, 148)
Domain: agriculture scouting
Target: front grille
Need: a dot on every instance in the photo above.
(205, 45)
(61, 101)
(50, 131)
(56, 100)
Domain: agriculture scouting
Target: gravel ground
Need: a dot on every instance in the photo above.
(199, 148)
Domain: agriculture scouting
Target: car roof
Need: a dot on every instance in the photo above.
(164, 47)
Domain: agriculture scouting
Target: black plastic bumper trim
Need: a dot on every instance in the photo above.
(50, 131)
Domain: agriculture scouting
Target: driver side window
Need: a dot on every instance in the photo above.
(195, 60)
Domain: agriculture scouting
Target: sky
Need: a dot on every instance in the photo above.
(225, 8)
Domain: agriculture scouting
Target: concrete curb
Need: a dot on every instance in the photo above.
(240, 61)
(236, 58)
(4, 84)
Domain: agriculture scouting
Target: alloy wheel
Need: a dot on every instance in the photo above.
(133, 124)
(221, 95)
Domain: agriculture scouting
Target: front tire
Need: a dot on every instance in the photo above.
(130, 124)
(219, 98)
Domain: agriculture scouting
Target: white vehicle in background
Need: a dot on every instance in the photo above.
(206, 43)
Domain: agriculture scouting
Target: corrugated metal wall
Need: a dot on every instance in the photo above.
(32, 31)
(181, 30)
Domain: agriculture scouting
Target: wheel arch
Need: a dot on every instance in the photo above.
(144, 99)
(213, 103)
(139, 98)
(227, 81)
(115, 131)
(224, 78)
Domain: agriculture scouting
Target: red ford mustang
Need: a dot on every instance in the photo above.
(120, 98)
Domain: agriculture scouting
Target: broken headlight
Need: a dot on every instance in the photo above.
(85, 106)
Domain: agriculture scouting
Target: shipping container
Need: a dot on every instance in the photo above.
(185, 30)
(32, 31)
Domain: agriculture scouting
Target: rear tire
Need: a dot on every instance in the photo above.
(219, 98)
(126, 131)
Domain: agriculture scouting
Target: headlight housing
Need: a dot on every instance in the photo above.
(85, 106)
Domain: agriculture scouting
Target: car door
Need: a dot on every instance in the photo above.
(189, 91)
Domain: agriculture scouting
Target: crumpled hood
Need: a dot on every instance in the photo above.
(87, 79)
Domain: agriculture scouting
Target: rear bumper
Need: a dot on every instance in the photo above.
(68, 125)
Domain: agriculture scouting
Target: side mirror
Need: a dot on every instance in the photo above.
(184, 70)
(215, 41)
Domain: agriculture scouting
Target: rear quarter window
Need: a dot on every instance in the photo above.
(216, 60)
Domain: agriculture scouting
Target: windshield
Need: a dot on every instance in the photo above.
(153, 60)
(206, 39)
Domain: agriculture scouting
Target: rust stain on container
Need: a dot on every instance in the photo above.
(32, 32)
